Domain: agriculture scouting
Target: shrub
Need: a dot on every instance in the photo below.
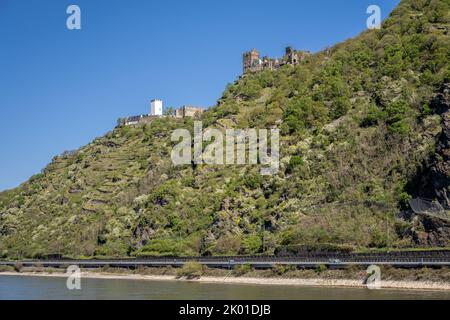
(401, 127)
(426, 110)
(393, 63)
(340, 108)
(266, 79)
(190, 270)
(252, 244)
(294, 162)
(36, 177)
(6, 268)
(397, 117)
(18, 266)
(374, 117)
(253, 181)
(164, 194)
(227, 245)
(304, 113)
(282, 269)
(250, 89)
(161, 247)
(242, 269)
(321, 268)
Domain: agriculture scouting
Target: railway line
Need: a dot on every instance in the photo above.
(412, 259)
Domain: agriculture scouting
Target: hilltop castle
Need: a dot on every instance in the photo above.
(253, 63)
(156, 111)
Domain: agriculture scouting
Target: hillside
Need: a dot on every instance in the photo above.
(365, 127)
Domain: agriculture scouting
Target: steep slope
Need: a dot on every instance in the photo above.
(364, 129)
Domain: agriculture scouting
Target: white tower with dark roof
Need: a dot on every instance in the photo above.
(156, 108)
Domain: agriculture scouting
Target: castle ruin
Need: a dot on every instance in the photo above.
(188, 111)
(253, 63)
(156, 111)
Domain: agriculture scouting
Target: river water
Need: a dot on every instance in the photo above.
(40, 288)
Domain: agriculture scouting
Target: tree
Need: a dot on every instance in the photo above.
(121, 122)
(397, 117)
(169, 111)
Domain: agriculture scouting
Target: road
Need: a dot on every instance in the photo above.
(399, 259)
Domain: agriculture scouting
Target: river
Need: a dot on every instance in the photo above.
(48, 288)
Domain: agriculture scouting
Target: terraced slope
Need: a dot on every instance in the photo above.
(365, 128)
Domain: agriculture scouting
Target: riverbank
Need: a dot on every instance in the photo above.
(351, 283)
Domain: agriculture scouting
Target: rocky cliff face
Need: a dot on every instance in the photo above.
(430, 231)
(440, 170)
(434, 182)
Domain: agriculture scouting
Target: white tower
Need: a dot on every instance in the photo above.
(156, 107)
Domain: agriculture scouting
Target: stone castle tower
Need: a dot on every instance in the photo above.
(251, 59)
(291, 56)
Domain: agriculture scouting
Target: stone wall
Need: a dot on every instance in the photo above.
(188, 111)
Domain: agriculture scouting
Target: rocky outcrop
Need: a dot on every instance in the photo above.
(433, 181)
(440, 170)
(429, 230)
(143, 234)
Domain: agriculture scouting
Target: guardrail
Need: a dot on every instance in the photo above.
(412, 258)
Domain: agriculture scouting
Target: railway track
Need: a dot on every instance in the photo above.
(400, 259)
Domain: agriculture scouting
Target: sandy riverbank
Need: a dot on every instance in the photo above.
(416, 285)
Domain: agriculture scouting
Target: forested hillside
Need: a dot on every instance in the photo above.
(365, 127)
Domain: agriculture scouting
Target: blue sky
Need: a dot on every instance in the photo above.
(59, 89)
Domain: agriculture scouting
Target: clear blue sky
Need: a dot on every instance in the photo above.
(59, 89)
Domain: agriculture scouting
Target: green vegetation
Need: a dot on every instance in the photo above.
(321, 268)
(357, 127)
(242, 269)
(190, 270)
